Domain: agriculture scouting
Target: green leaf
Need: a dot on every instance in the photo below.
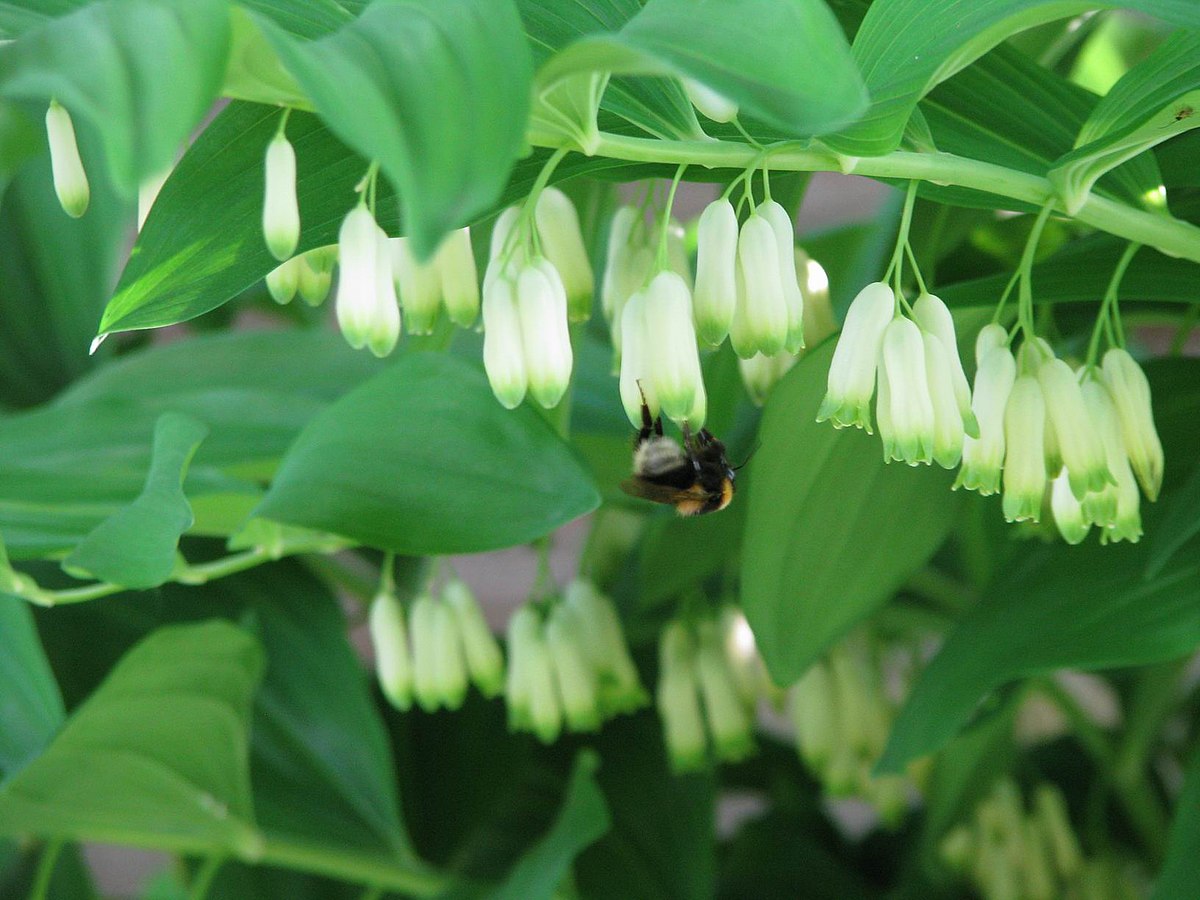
(1177, 880)
(31, 708)
(448, 152)
(422, 459)
(819, 496)
(157, 756)
(581, 821)
(142, 96)
(1154, 101)
(677, 553)
(796, 75)
(906, 47)
(136, 546)
(1180, 523)
(1087, 607)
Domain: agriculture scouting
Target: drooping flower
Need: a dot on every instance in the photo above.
(419, 286)
(281, 213)
(450, 666)
(947, 418)
(635, 381)
(715, 299)
(530, 691)
(1077, 438)
(562, 243)
(66, 166)
(934, 318)
(819, 322)
(983, 457)
(480, 650)
(785, 238)
(814, 715)
(284, 279)
(390, 639)
(1124, 523)
(852, 372)
(674, 362)
(1130, 392)
(761, 373)
(503, 354)
(911, 410)
(1068, 512)
(729, 723)
(316, 274)
(678, 700)
(578, 687)
(620, 688)
(459, 278)
(367, 311)
(545, 338)
(1024, 458)
(760, 322)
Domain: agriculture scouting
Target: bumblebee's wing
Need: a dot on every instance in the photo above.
(648, 490)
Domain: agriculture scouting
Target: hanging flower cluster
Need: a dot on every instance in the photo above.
(1008, 851)
(707, 690)
(843, 715)
(569, 666)
(444, 645)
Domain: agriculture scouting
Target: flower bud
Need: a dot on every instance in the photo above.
(455, 264)
(70, 179)
(542, 311)
(728, 722)
(603, 642)
(678, 700)
(678, 259)
(911, 409)
(1130, 392)
(622, 276)
(716, 106)
(283, 280)
(1068, 511)
(947, 419)
(934, 318)
(424, 629)
(1024, 458)
(390, 639)
(1124, 522)
(635, 379)
(503, 354)
(674, 362)
(716, 266)
(367, 312)
(281, 213)
(574, 675)
(531, 693)
(450, 668)
(990, 337)
(761, 373)
(852, 372)
(1076, 435)
(316, 274)
(762, 316)
(785, 239)
(502, 238)
(983, 457)
(562, 243)
(480, 650)
(1050, 812)
(418, 284)
(819, 322)
(814, 715)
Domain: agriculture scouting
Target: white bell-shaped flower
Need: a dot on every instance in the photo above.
(819, 321)
(729, 723)
(501, 248)
(761, 373)
(948, 431)
(562, 243)
(503, 353)
(934, 318)
(678, 700)
(316, 274)
(983, 457)
(1068, 512)
(814, 715)
(283, 281)
(455, 264)
(1118, 508)
(1077, 438)
(990, 337)
(678, 259)
(1130, 392)
(578, 687)
(852, 372)
(530, 691)
(636, 348)
(450, 667)
(545, 336)
(674, 361)
(761, 321)
(484, 662)
(716, 106)
(389, 636)
(66, 166)
(785, 237)
(367, 311)
(604, 644)
(626, 235)
(1024, 457)
(715, 299)
(423, 630)
(911, 410)
(281, 213)
(418, 284)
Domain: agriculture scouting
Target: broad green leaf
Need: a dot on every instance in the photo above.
(448, 152)
(1177, 880)
(142, 96)
(795, 74)
(1156, 100)
(1087, 607)
(307, 19)
(31, 709)
(906, 47)
(61, 267)
(157, 756)
(831, 530)
(582, 819)
(136, 546)
(1180, 523)
(67, 466)
(71, 880)
(422, 459)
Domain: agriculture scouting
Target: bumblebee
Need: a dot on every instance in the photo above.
(695, 478)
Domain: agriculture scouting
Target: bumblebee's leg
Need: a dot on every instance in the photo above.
(648, 425)
(705, 436)
(689, 440)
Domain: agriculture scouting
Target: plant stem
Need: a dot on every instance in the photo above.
(1109, 302)
(661, 262)
(204, 877)
(45, 870)
(1172, 236)
(406, 877)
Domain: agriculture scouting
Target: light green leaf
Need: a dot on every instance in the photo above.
(820, 499)
(142, 96)
(157, 756)
(1087, 607)
(795, 74)
(906, 47)
(422, 459)
(1177, 880)
(136, 546)
(582, 820)
(448, 152)
(31, 708)
(1156, 100)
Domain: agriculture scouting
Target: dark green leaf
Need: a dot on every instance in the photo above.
(831, 531)
(581, 821)
(422, 459)
(680, 553)
(142, 96)
(449, 151)
(1180, 523)
(136, 546)
(1087, 607)
(1177, 880)
(31, 709)
(157, 756)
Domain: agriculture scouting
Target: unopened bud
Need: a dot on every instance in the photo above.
(390, 639)
(66, 166)
(418, 284)
(785, 237)
(284, 279)
(480, 650)
(760, 322)
(562, 243)
(728, 722)
(715, 299)
(450, 668)
(635, 381)
(281, 213)
(1068, 511)
(459, 279)
(574, 675)
(819, 322)
(503, 353)
(716, 106)
(674, 362)
(367, 312)
(1130, 391)
(316, 274)
(814, 713)
(761, 373)
(604, 643)
(545, 338)
(934, 318)
(531, 693)
(1024, 458)
(678, 700)
(423, 629)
